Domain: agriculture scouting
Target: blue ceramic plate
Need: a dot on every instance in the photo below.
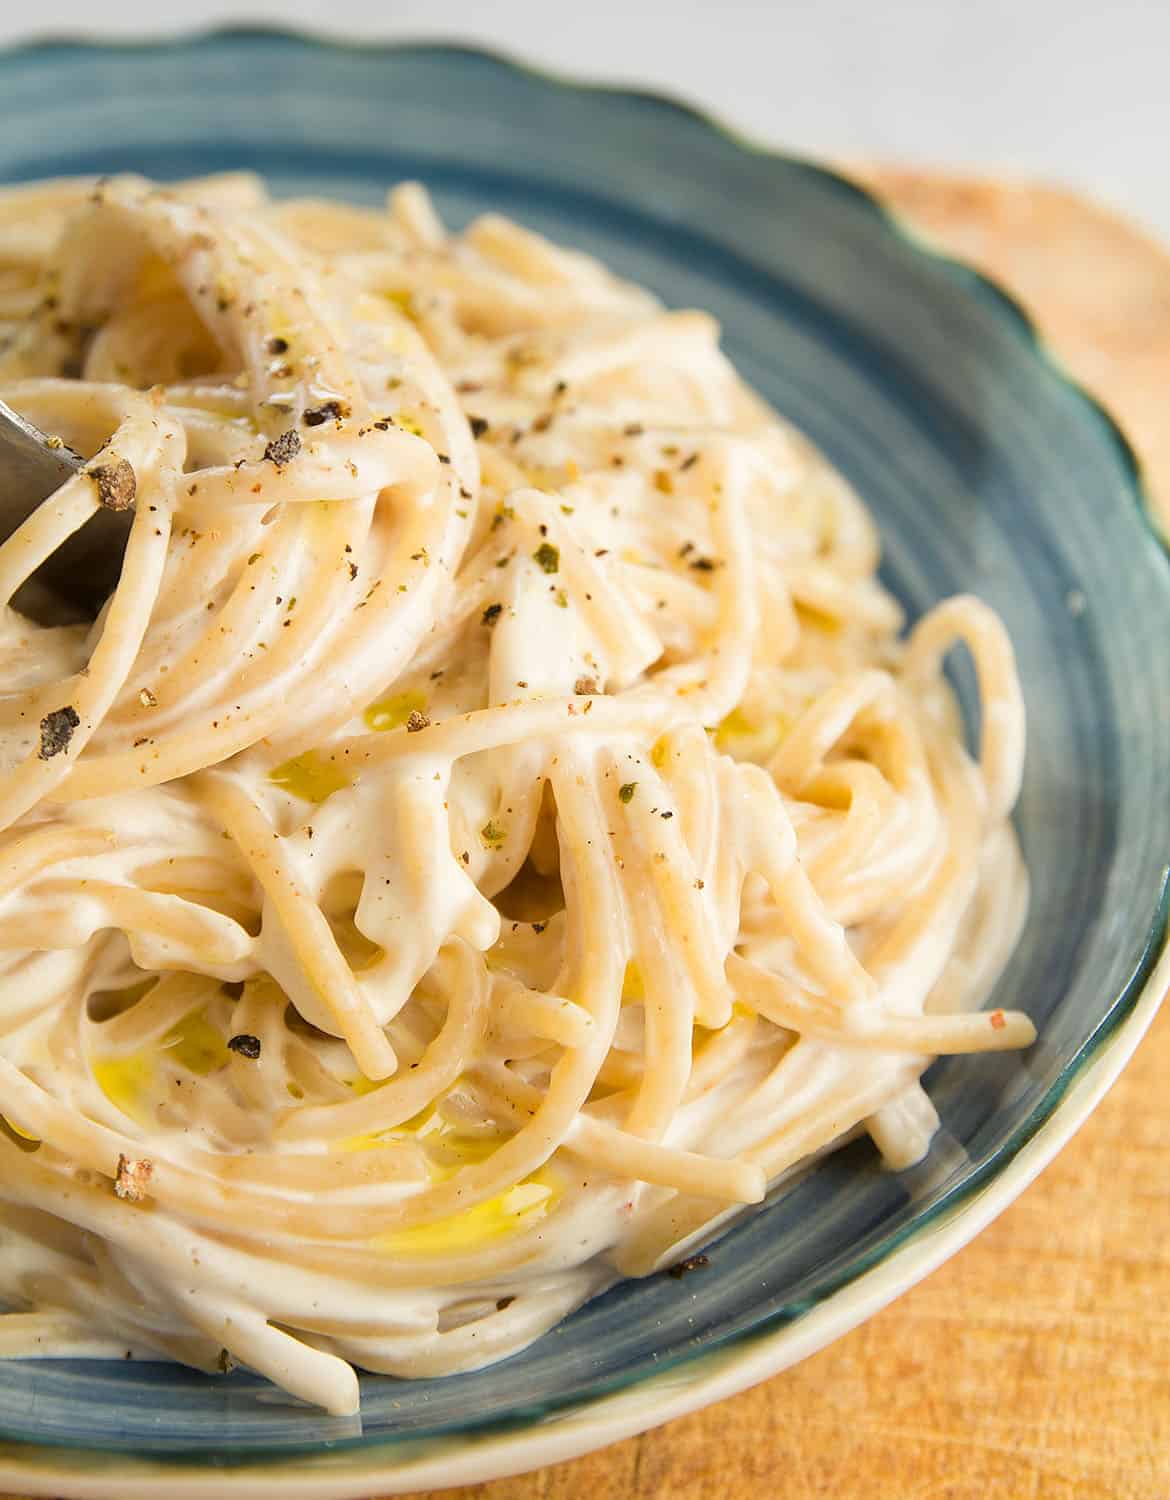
(987, 470)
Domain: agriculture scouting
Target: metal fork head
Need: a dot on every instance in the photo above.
(72, 585)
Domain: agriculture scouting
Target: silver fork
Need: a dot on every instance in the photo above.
(72, 585)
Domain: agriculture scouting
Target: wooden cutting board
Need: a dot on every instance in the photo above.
(1036, 1364)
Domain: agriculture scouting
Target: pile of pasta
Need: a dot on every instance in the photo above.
(496, 827)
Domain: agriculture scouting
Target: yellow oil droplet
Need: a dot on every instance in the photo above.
(130, 1082)
(452, 1149)
(750, 739)
(403, 300)
(516, 1208)
(633, 985)
(309, 777)
(818, 619)
(408, 422)
(460, 1150)
(659, 751)
(365, 1142)
(127, 1083)
(196, 1044)
(551, 478)
(19, 1138)
(155, 278)
(540, 477)
(393, 712)
(734, 725)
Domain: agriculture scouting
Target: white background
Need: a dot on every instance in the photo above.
(1076, 91)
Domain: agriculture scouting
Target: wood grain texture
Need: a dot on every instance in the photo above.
(1036, 1364)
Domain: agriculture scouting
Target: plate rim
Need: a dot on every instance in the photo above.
(696, 1380)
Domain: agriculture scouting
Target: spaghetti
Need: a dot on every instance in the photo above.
(495, 828)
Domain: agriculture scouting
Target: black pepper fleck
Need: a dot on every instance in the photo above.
(57, 730)
(314, 416)
(283, 448)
